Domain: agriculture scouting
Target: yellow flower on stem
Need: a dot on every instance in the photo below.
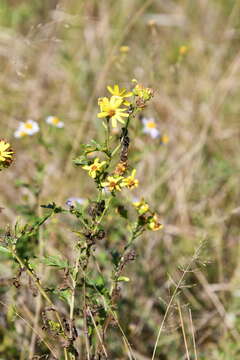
(122, 93)
(154, 223)
(110, 109)
(141, 206)
(95, 167)
(130, 182)
(113, 183)
(6, 154)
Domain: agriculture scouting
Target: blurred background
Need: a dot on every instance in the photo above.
(57, 57)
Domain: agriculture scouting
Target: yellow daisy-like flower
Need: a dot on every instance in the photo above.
(130, 182)
(6, 154)
(141, 206)
(164, 139)
(122, 93)
(113, 183)
(95, 167)
(183, 50)
(110, 109)
(154, 223)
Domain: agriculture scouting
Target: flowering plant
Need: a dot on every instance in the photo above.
(91, 296)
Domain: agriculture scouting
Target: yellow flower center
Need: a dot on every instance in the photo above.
(151, 125)
(111, 112)
(55, 120)
(28, 126)
(94, 167)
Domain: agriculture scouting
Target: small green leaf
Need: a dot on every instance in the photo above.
(64, 295)
(123, 279)
(5, 250)
(55, 261)
(81, 160)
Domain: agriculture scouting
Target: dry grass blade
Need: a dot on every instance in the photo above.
(193, 335)
(183, 330)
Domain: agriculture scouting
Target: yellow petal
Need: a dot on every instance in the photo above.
(110, 90)
(102, 115)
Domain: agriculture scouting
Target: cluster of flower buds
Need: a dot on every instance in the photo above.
(146, 216)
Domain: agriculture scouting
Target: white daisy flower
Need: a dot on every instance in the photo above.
(73, 201)
(150, 127)
(29, 127)
(55, 121)
(19, 133)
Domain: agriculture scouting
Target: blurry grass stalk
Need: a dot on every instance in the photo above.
(193, 334)
(183, 330)
(175, 293)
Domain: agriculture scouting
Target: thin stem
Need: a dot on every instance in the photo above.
(108, 135)
(193, 336)
(98, 334)
(33, 329)
(85, 321)
(74, 285)
(103, 214)
(173, 297)
(41, 270)
(183, 330)
(42, 292)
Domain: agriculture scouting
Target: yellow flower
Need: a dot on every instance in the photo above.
(6, 154)
(110, 109)
(130, 182)
(113, 183)
(94, 167)
(122, 93)
(124, 49)
(154, 223)
(164, 139)
(183, 50)
(141, 206)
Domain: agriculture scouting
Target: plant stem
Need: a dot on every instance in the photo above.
(41, 270)
(42, 292)
(85, 320)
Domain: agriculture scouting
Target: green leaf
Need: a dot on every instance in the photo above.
(64, 295)
(81, 160)
(4, 250)
(55, 261)
(123, 279)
